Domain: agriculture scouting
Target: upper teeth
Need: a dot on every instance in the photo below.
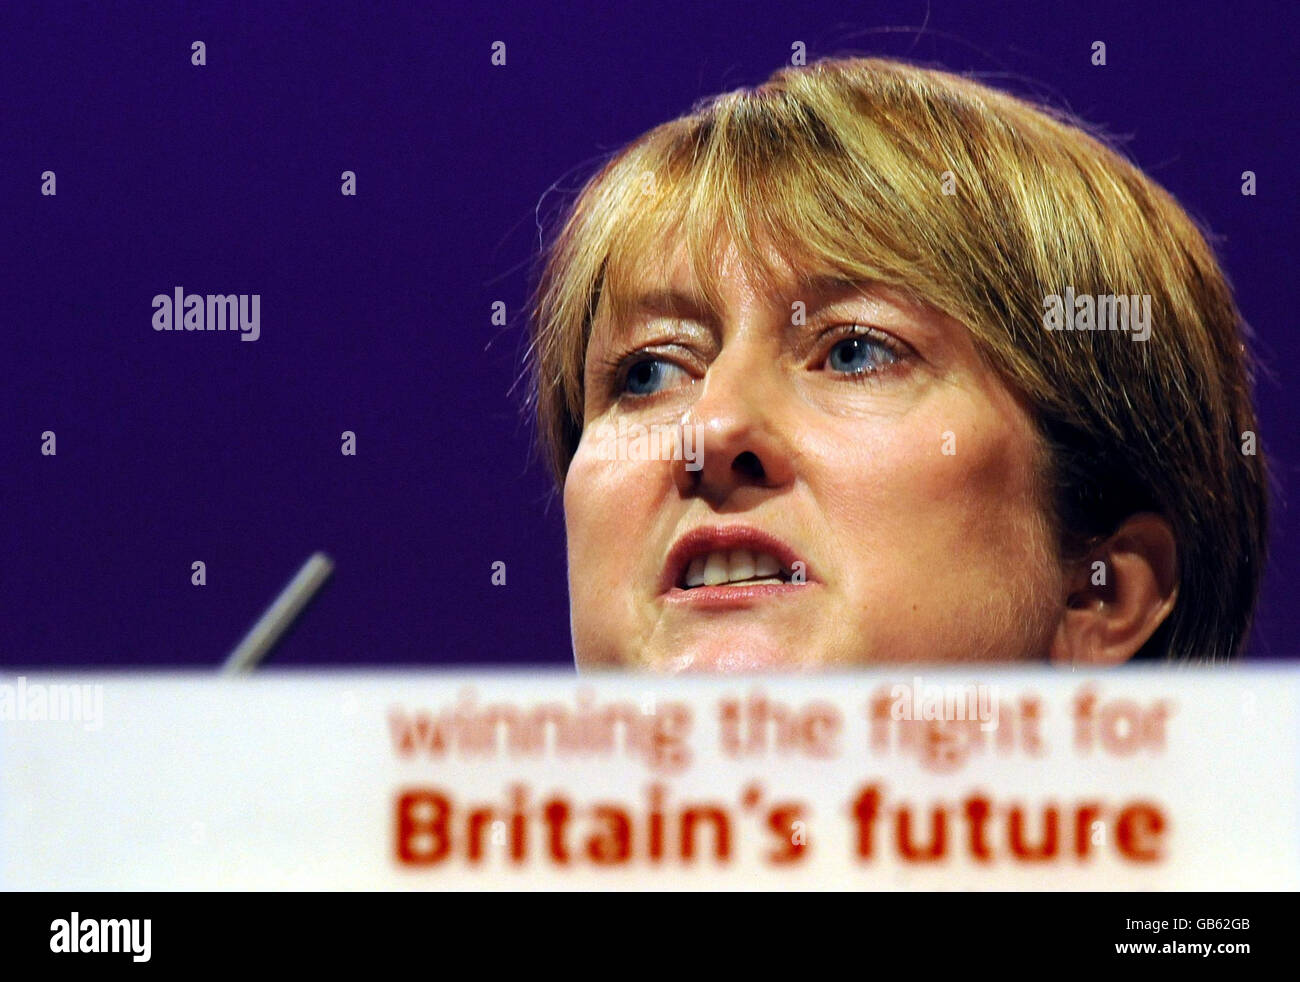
(731, 566)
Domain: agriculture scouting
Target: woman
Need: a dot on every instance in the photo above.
(874, 364)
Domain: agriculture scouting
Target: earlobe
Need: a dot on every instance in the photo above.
(1117, 597)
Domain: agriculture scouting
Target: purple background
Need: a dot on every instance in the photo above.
(375, 309)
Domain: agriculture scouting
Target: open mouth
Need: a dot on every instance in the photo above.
(735, 556)
(733, 566)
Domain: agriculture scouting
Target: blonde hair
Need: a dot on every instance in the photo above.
(839, 168)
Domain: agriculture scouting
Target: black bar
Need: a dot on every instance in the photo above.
(599, 934)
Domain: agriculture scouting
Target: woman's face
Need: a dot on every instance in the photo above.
(829, 476)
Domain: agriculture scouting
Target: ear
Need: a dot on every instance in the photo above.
(1119, 594)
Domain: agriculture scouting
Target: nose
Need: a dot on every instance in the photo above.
(739, 430)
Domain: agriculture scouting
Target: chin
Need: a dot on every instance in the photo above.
(721, 652)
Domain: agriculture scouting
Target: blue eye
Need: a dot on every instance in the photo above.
(650, 375)
(859, 355)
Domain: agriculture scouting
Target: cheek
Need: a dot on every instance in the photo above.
(931, 500)
(610, 506)
(607, 504)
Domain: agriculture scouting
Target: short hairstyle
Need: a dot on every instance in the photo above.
(840, 168)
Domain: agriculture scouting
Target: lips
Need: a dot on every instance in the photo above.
(732, 557)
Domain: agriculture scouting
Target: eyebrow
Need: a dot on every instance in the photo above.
(822, 290)
(822, 293)
(831, 289)
(669, 302)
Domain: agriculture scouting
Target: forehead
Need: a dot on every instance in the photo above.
(666, 279)
(669, 284)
